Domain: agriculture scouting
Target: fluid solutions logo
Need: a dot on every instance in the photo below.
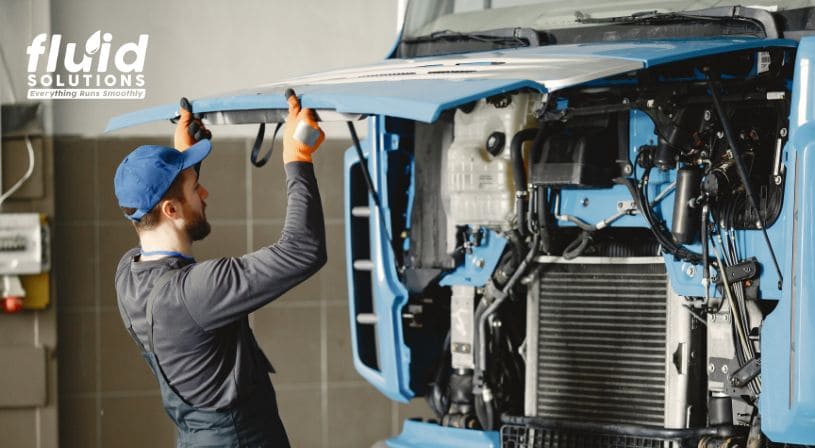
(97, 72)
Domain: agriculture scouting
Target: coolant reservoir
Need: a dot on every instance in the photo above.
(476, 185)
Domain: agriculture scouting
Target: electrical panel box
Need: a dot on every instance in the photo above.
(24, 244)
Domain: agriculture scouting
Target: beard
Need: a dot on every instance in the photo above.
(198, 227)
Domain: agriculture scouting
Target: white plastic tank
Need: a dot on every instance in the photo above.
(477, 187)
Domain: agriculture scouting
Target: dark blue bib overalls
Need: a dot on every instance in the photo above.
(253, 421)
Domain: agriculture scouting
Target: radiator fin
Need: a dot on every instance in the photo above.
(602, 342)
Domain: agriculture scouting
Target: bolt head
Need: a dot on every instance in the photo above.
(711, 368)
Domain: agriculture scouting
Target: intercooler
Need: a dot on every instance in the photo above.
(608, 342)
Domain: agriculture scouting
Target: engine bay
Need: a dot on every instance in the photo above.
(595, 260)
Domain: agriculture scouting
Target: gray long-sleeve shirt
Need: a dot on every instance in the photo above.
(201, 333)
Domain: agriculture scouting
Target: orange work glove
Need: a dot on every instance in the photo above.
(189, 128)
(303, 136)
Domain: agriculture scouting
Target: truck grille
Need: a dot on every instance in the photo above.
(601, 345)
(516, 436)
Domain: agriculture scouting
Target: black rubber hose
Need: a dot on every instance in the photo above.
(438, 399)
(482, 314)
(481, 412)
(532, 212)
(519, 172)
(656, 228)
(621, 429)
(478, 402)
(662, 233)
(489, 415)
(544, 220)
(578, 246)
(579, 223)
(517, 156)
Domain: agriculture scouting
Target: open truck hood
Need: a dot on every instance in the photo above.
(420, 89)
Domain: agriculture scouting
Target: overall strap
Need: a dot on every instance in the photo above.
(129, 323)
(157, 286)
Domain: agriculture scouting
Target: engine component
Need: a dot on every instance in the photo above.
(676, 135)
(720, 410)
(685, 228)
(664, 155)
(461, 414)
(744, 175)
(742, 271)
(585, 152)
(746, 374)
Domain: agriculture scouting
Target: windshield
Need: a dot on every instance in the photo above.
(436, 27)
(427, 16)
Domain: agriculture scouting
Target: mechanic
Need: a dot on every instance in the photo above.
(190, 319)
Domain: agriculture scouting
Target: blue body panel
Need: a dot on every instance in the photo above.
(414, 99)
(479, 264)
(424, 99)
(392, 378)
(164, 112)
(430, 435)
(787, 402)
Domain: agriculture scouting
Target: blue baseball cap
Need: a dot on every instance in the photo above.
(147, 173)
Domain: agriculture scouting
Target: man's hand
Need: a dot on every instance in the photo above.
(189, 129)
(300, 126)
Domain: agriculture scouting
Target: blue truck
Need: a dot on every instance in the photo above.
(579, 224)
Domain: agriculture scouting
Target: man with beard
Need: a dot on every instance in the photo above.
(190, 318)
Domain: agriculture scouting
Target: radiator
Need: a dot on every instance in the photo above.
(607, 341)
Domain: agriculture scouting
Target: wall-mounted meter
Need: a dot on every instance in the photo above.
(24, 250)
(24, 245)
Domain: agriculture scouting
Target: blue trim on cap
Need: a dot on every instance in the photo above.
(196, 153)
(137, 215)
